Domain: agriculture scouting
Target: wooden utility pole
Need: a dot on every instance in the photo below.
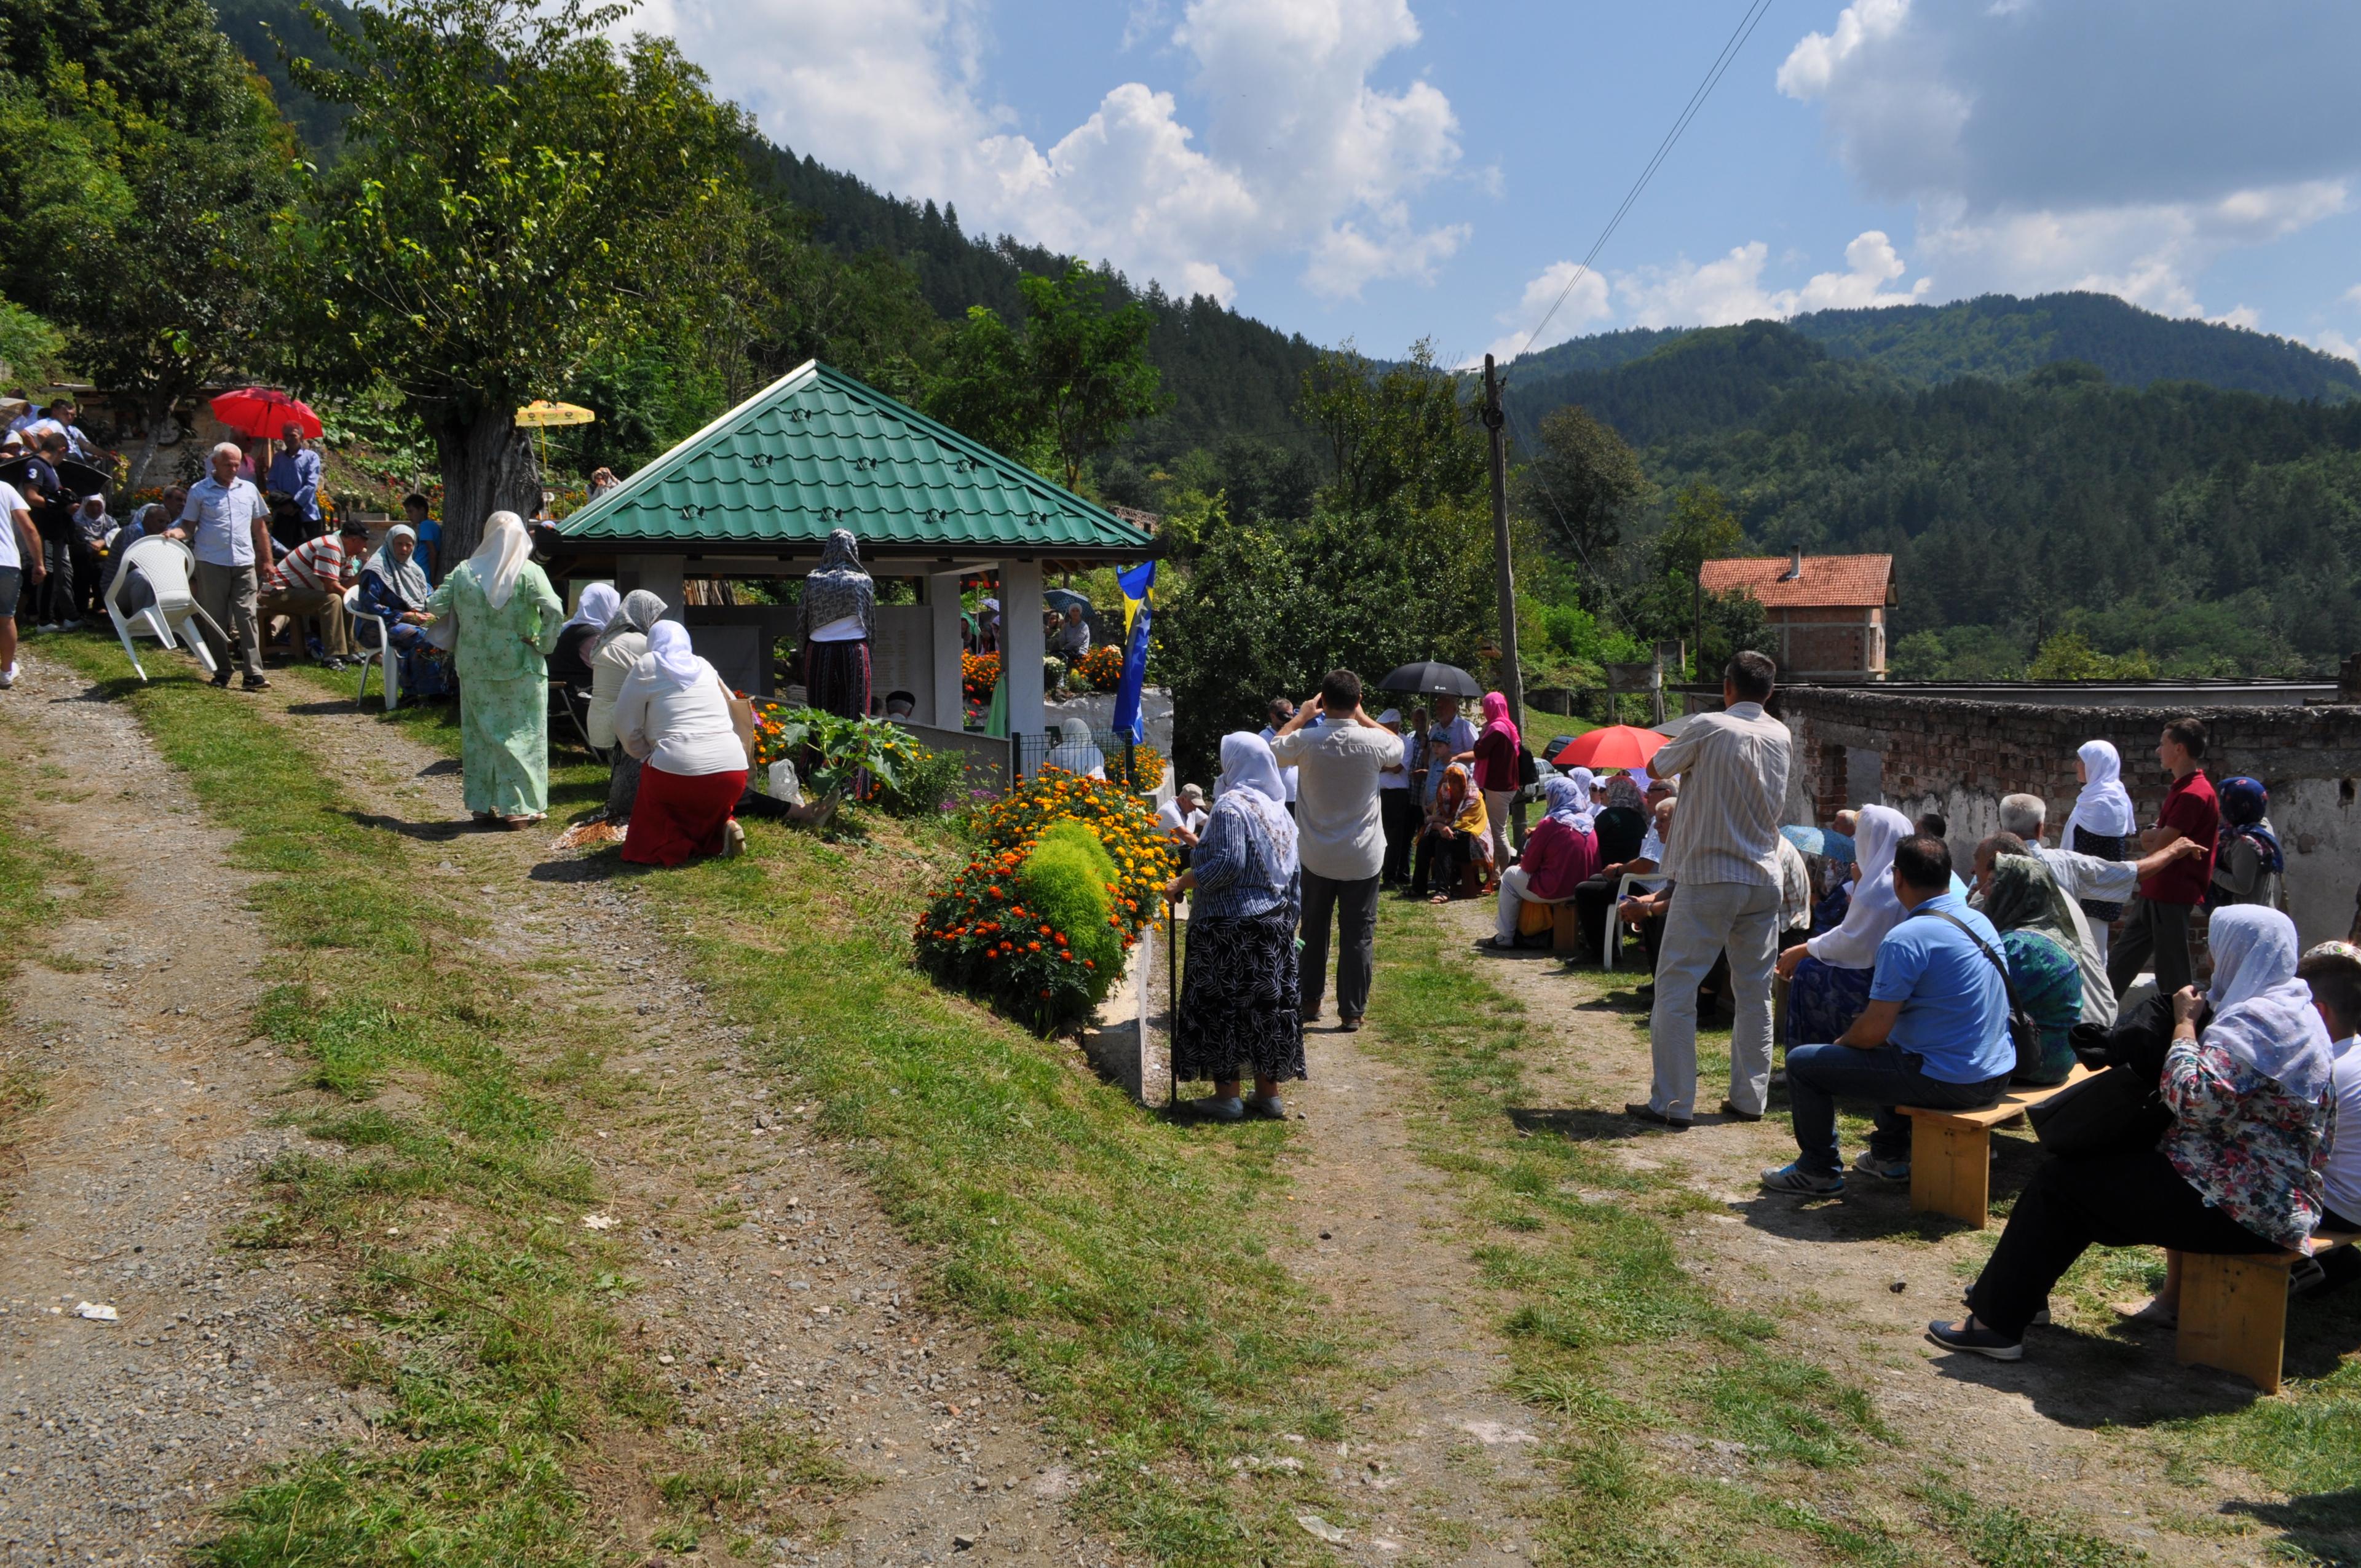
(1512, 681)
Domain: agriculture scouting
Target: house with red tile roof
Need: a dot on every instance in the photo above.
(1828, 611)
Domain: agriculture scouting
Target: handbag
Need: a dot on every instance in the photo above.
(741, 720)
(2023, 1032)
(1529, 772)
(2114, 1110)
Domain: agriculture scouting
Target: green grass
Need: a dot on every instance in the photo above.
(1120, 1263)
(479, 1322)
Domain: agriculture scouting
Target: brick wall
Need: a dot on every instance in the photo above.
(1959, 758)
(1830, 642)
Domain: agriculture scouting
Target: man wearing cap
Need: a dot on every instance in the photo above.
(1398, 809)
(311, 580)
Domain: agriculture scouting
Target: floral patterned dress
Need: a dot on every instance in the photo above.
(2249, 1148)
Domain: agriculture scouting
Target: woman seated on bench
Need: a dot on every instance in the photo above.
(1560, 853)
(1827, 976)
(2246, 1080)
(1456, 833)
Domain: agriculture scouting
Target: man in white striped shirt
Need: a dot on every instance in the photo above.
(310, 580)
(1724, 862)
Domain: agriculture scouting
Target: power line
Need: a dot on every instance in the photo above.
(1755, 11)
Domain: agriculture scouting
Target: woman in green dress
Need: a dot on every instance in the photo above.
(504, 619)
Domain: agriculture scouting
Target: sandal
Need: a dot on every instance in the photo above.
(2155, 1314)
(1439, 898)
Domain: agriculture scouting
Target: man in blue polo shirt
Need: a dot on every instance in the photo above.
(1935, 1032)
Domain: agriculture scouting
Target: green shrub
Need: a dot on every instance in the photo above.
(1065, 882)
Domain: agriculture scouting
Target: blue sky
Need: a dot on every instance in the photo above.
(1391, 169)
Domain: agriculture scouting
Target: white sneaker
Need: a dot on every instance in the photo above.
(8, 677)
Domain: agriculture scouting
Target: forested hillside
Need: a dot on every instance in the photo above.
(2000, 335)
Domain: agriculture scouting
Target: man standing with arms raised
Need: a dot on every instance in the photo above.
(1724, 861)
(1340, 837)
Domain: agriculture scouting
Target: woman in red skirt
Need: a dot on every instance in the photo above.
(674, 714)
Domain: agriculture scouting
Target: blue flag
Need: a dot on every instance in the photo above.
(1138, 586)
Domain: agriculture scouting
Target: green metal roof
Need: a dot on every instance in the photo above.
(817, 450)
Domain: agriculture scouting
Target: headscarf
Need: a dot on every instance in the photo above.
(1875, 908)
(839, 587)
(2263, 1015)
(2105, 807)
(1569, 799)
(1074, 751)
(675, 661)
(2025, 896)
(639, 613)
(1622, 792)
(406, 579)
(2244, 803)
(597, 608)
(1495, 716)
(1469, 817)
(500, 559)
(1250, 787)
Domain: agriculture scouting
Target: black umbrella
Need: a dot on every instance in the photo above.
(1431, 679)
(80, 479)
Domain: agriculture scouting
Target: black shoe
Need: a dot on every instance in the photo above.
(221, 679)
(1641, 1110)
(1349, 1023)
(1735, 1114)
(1978, 1340)
(255, 683)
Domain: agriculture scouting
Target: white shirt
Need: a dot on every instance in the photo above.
(1794, 887)
(1396, 773)
(2082, 876)
(224, 516)
(1169, 815)
(1733, 771)
(843, 628)
(1339, 832)
(677, 730)
(11, 547)
(2342, 1179)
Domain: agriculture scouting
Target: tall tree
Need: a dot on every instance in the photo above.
(1065, 387)
(516, 194)
(1396, 434)
(1584, 483)
(144, 175)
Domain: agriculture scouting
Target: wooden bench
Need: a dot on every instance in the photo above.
(2233, 1310)
(1565, 927)
(1951, 1151)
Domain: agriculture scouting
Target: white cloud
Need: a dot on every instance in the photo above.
(2336, 343)
(1720, 292)
(1299, 155)
(2121, 145)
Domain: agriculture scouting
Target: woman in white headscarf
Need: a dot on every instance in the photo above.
(1075, 753)
(2247, 1080)
(2102, 825)
(570, 660)
(1561, 853)
(500, 617)
(672, 714)
(1828, 975)
(1238, 1011)
(621, 644)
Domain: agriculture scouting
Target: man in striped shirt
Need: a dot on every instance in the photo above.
(311, 580)
(1723, 859)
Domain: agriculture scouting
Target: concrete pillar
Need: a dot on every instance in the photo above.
(659, 574)
(1021, 644)
(943, 601)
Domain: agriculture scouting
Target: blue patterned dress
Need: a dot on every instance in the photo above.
(1238, 1015)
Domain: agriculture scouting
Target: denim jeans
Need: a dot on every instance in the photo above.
(1885, 1076)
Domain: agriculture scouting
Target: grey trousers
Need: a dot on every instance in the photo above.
(1354, 906)
(227, 594)
(2155, 936)
(1704, 920)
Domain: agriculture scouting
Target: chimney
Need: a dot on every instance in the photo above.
(1794, 571)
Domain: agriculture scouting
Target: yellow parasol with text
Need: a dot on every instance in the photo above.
(541, 414)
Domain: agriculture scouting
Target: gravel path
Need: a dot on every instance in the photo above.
(120, 1435)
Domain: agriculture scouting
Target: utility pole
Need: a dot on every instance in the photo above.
(1512, 681)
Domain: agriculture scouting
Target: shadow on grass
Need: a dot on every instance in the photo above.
(426, 832)
(606, 864)
(2089, 1381)
(1580, 1126)
(2324, 1525)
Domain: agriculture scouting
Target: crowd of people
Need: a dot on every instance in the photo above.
(1891, 979)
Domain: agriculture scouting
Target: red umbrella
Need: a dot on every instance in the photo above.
(264, 412)
(1617, 746)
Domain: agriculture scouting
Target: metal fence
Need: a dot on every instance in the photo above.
(1029, 754)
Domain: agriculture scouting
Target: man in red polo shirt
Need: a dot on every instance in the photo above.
(2155, 926)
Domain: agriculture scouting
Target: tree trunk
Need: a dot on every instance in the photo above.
(159, 410)
(488, 465)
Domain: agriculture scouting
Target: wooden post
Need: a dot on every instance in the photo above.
(1512, 682)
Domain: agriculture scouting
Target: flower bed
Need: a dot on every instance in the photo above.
(1067, 871)
(1102, 668)
(978, 672)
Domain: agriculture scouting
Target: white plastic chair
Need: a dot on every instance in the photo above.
(163, 564)
(381, 655)
(1646, 880)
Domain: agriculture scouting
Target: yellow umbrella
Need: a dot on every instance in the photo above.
(542, 412)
